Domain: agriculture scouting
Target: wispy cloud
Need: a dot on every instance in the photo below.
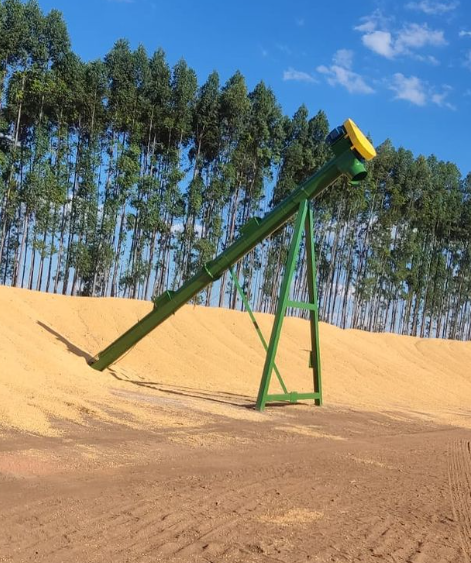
(283, 48)
(378, 38)
(467, 60)
(433, 7)
(418, 92)
(440, 98)
(373, 21)
(340, 73)
(415, 36)
(298, 76)
(430, 59)
(344, 58)
(410, 89)
(464, 33)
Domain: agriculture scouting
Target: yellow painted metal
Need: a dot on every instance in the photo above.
(359, 141)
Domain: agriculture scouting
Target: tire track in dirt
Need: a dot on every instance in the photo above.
(210, 507)
(142, 527)
(385, 539)
(206, 534)
(459, 474)
(212, 527)
(407, 524)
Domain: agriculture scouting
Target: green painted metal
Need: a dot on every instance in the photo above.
(304, 223)
(345, 162)
(292, 397)
(301, 305)
(315, 356)
(246, 303)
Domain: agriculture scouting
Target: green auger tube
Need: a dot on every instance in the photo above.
(351, 149)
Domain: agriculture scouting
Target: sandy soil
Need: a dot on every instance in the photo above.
(162, 457)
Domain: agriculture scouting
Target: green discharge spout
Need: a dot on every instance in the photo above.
(350, 148)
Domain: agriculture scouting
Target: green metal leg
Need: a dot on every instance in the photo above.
(257, 328)
(304, 222)
(281, 308)
(314, 313)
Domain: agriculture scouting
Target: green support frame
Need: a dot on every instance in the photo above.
(246, 303)
(304, 223)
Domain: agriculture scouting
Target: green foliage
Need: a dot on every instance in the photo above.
(122, 176)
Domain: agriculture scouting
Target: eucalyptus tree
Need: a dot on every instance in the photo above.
(182, 101)
(256, 152)
(226, 182)
(35, 44)
(156, 116)
(122, 176)
(198, 239)
(303, 151)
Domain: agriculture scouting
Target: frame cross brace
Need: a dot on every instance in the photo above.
(304, 223)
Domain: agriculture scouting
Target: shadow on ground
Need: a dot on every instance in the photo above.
(236, 400)
(71, 347)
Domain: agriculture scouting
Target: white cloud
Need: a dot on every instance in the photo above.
(430, 59)
(410, 89)
(178, 228)
(368, 26)
(418, 92)
(298, 75)
(464, 33)
(379, 42)
(440, 99)
(433, 7)
(340, 73)
(415, 36)
(378, 38)
(373, 21)
(344, 58)
(352, 81)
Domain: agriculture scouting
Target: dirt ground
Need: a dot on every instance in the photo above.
(162, 457)
(299, 483)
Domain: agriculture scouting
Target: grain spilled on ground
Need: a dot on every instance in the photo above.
(201, 353)
(293, 516)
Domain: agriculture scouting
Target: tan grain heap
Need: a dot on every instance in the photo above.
(45, 341)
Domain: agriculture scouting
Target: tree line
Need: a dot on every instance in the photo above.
(123, 176)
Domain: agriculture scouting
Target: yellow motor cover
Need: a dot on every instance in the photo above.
(360, 143)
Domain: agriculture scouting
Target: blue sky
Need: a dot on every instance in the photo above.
(401, 70)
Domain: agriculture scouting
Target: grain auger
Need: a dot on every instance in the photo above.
(351, 149)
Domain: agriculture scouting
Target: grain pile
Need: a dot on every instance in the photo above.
(45, 341)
